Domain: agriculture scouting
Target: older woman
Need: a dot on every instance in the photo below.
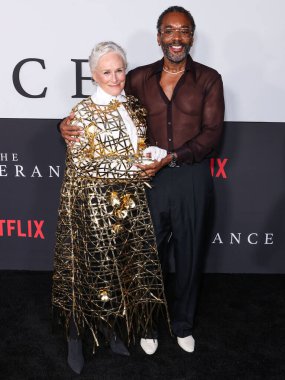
(107, 274)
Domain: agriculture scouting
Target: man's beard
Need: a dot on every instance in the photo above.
(175, 57)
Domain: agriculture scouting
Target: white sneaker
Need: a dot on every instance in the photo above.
(187, 343)
(149, 345)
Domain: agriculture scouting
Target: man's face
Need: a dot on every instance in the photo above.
(175, 36)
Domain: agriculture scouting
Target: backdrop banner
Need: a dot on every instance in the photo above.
(31, 168)
(45, 72)
(247, 233)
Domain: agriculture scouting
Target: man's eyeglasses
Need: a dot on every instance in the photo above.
(170, 32)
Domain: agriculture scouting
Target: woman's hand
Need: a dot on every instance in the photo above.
(68, 131)
(155, 153)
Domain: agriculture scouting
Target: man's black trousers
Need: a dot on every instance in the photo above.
(179, 203)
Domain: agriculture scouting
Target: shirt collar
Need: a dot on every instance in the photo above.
(102, 98)
(158, 66)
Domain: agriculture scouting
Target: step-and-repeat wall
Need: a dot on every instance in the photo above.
(44, 72)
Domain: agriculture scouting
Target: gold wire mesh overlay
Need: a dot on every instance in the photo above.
(106, 267)
(105, 149)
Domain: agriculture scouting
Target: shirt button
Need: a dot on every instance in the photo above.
(169, 140)
(169, 123)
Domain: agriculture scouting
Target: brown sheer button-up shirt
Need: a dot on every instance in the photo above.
(189, 124)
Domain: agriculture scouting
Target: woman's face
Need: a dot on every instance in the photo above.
(110, 73)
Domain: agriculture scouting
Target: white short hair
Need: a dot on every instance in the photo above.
(103, 48)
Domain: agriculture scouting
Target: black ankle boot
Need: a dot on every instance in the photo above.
(116, 344)
(75, 357)
(118, 347)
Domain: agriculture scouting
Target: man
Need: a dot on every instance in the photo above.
(185, 105)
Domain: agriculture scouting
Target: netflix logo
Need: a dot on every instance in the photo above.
(24, 229)
(218, 167)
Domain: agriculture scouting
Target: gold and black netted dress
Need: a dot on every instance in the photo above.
(106, 267)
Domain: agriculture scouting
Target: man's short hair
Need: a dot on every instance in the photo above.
(177, 9)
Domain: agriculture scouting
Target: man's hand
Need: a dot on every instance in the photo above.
(151, 169)
(68, 131)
